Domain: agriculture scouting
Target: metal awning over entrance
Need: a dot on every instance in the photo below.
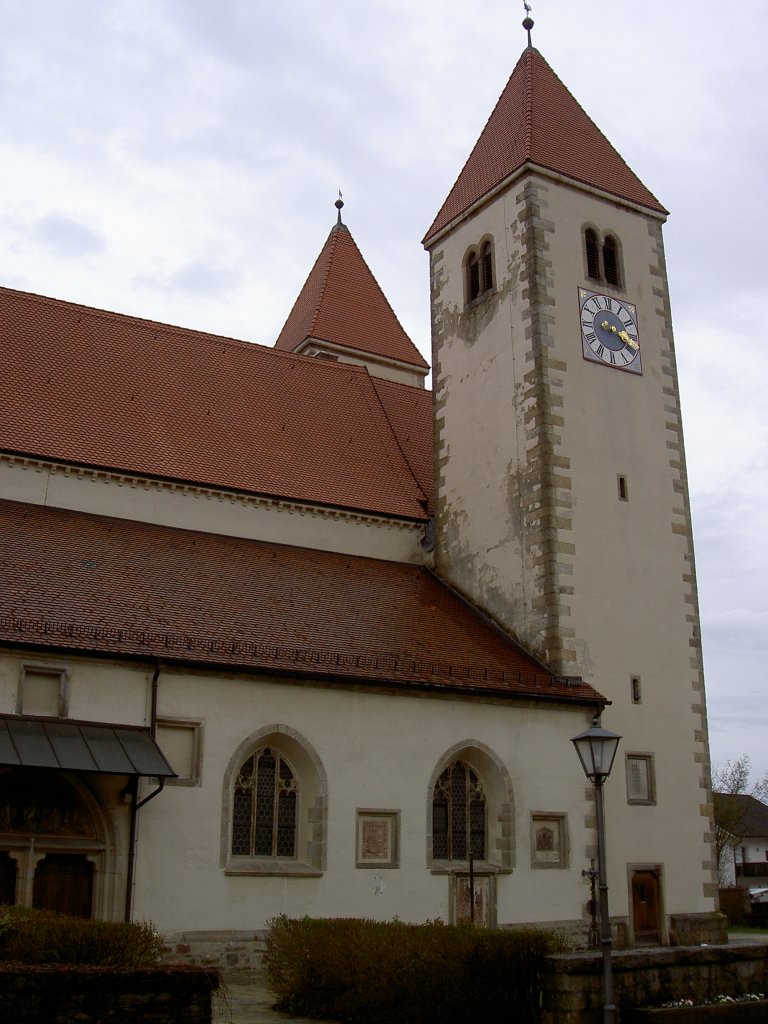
(80, 747)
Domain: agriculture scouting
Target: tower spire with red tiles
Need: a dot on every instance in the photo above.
(342, 313)
(538, 125)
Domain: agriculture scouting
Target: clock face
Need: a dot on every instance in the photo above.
(609, 331)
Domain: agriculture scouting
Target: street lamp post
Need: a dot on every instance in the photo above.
(597, 749)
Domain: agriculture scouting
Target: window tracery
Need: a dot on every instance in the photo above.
(264, 807)
(458, 814)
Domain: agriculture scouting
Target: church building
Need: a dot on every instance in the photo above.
(284, 631)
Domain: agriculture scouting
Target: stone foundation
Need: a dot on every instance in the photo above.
(236, 954)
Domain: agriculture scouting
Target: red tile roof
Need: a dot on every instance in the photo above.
(537, 121)
(99, 389)
(341, 303)
(74, 581)
(409, 411)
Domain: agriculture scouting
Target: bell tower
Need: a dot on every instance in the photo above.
(561, 490)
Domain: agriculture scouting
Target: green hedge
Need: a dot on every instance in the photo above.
(43, 937)
(370, 972)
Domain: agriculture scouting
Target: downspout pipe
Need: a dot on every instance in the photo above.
(136, 804)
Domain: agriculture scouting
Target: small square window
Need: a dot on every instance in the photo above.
(42, 691)
(180, 741)
(641, 787)
(549, 842)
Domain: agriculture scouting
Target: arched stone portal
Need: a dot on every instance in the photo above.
(56, 843)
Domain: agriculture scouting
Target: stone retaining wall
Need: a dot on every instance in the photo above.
(64, 994)
(573, 992)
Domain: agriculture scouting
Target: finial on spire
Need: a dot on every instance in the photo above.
(528, 22)
(339, 205)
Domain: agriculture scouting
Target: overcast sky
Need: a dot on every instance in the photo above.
(179, 160)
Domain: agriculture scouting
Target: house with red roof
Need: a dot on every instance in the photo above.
(284, 631)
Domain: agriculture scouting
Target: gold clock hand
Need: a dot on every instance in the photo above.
(627, 340)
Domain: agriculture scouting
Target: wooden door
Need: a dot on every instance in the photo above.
(646, 906)
(64, 882)
(7, 878)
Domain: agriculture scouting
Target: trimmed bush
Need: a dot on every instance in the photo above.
(371, 972)
(43, 937)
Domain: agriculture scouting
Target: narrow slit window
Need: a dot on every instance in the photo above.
(623, 488)
(635, 690)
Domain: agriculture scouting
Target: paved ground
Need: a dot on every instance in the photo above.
(250, 1003)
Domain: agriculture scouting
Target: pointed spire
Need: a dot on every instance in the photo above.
(528, 22)
(537, 122)
(343, 305)
(339, 204)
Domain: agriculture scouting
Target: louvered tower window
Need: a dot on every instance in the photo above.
(264, 807)
(611, 261)
(486, 262)
(458, 814)
(479, 268)
(593, 256)
(473, 276)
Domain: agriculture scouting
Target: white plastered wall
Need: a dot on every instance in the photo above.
(210, 511)
(626, 593)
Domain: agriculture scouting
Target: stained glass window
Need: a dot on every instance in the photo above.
(458, 814)
(264, 807)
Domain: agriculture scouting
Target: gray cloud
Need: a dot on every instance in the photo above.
(66, 236)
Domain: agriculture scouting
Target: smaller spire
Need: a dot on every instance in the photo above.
(528, 23)
(339, 204)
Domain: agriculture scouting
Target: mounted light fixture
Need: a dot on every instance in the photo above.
(597, 748)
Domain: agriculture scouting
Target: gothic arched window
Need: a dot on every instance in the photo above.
(264, 807)
(458, 814)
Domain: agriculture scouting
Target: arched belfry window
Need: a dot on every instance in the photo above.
(486, 262)
(473, 276)
(611, 260)
(602, 257)
(264, 807)
(593, 257)
(458, 814)
(479, 270)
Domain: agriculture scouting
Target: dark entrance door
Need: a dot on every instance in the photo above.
(646, 905)
(64, 882)
(7, 878)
